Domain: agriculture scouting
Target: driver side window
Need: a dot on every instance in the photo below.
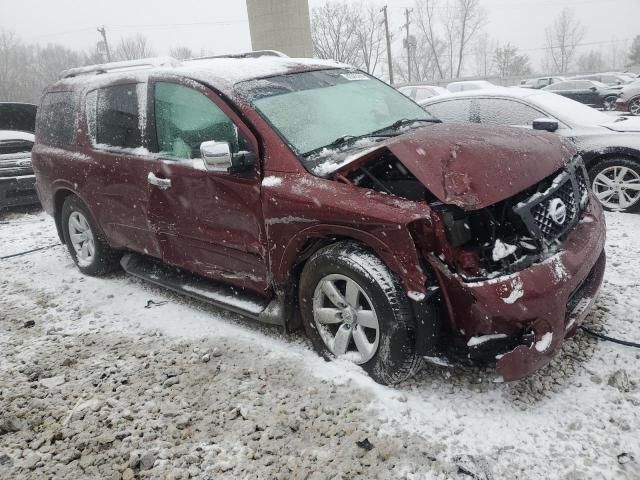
(185, 118)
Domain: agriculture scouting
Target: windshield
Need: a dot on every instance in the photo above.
(569, 111)
(328, 108)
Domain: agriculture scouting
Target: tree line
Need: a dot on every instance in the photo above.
(442, 39)
(448, 39)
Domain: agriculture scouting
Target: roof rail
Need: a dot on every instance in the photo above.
(120, 66)
(254, 54)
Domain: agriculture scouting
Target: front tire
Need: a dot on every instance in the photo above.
(85, 243)
(616, 184)
(634, 107)
(353, 307)
(609, 103)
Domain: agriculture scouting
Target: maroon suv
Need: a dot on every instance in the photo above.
(306, 192)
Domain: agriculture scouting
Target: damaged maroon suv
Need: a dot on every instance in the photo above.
(306, 193)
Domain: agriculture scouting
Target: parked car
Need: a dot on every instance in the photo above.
(589, 92)
(422, 92)
(305, 191)
(629, 99)
(17, 124)
(540, 82)
(610, 146)
(611, 79)
(469, 85)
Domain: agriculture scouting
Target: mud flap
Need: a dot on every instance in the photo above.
(427, 313)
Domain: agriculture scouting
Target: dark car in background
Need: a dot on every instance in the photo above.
(629, 99)
(589, 92)
(17, 126)
(611, 79)
(610, 146)
(540, 82)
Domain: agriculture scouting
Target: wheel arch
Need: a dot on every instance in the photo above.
(594, 157)
(61, 193)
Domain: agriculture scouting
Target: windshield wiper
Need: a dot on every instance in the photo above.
(404, 121)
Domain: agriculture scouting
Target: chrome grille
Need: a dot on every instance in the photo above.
(550, 214)
(541, 212)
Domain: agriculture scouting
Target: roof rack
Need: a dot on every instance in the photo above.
(254, 54)
(121, 66)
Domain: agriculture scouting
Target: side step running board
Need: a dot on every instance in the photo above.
(218, 294)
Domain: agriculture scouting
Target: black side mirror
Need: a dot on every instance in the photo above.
(594, 89)
(545, 124)
(242, 162)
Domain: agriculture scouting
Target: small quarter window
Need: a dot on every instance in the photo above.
(56, 119)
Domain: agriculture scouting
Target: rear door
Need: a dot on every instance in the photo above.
(206, 222)
(116, 185)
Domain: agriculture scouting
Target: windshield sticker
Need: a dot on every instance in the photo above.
(354, 76)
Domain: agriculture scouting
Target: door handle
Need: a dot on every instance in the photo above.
(161, 183)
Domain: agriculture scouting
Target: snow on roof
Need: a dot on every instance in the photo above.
(222, 73)
(511, 92)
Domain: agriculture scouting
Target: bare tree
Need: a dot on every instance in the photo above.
(634, 52)
(591, 61)
(483, 55)
(133, 47)
(563, 37)
(371, 39)
(509, 62)
(449, 28)
(334, 31)
(181, 53)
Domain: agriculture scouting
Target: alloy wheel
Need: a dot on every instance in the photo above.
(346, 319)
(609, 104)
(634, 108)
(81, 238)
(617, 188)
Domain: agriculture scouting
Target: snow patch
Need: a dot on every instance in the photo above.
(271, 181)
(502, 250)
(416, 296)
(544, 343)
(517, 291)
(479, 340)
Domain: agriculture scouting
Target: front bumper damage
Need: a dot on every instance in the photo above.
(522, 319)
(18, 191)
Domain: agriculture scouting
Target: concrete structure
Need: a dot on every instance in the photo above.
(282, 25)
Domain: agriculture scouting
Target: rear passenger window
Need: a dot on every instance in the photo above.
(114, 117)
(450, 111)
(56, 119)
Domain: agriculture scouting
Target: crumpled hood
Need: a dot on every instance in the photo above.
(473, 166)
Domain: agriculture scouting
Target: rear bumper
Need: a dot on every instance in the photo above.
(18, 191)
(622, 105)
(527, 315)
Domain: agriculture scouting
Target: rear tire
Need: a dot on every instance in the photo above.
(366, 316)
(87, 246)
(616, 184)
(634, 107)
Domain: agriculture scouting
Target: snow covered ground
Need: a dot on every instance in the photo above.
(103, 387)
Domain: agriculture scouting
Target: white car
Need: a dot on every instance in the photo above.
(465, 86)
(420, 93)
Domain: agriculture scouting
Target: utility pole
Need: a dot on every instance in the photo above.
(386, 29)
(407, 12)
(103, 32)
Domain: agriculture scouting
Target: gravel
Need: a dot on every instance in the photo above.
(100, 387)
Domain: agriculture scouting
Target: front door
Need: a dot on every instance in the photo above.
(206, 222)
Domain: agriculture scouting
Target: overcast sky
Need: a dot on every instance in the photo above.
(221, 26)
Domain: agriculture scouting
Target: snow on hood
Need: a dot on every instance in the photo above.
(473, 166)
(6, 135)
(626, 125)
